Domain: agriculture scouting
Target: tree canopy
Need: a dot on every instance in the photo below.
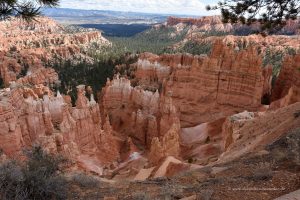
(272, 14)
(25, 9)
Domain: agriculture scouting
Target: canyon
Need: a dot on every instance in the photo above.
(27, 48)
(215, 23)
(202, 86)
(205, 31)
(176, 112)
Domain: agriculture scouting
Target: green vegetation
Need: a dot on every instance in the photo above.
(154, 40)
(125, 50)
(41, 176)
(275, 57)
(122, 52)
(92, 74)
(85, 181)
(37, 178)
(27, 10)
(196, 48)
(271, 14)
(161, 40)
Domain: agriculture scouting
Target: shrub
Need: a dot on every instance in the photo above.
(197, 48)
(37, 178)
(262, 175)
(263, 172)
(206, 194)
(11, 179)
(86, 181)
(141, 196)
(92, 74)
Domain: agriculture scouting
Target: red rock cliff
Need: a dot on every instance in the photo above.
(76, 132)
(26, 47)
(288, 82)
(203, 86)
(207, 23)
(138, 113)
(214, 23)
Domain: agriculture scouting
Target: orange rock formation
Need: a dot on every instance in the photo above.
(207, 23)
(77, 131)
(142, 115)
(203, 86)
(214, 23)
(288, 83)
(26, 47)
(273, 42)
(201, 109)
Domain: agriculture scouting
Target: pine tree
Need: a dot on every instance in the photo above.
(27, 10)
(272, 14)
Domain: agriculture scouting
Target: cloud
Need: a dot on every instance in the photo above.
(191, 7)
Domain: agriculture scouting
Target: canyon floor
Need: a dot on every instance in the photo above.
(265, 174)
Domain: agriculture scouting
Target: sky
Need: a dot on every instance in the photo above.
(182, 7)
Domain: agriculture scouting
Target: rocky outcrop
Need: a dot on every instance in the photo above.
(177, 108)
(272, 42)
(169, 145)
(207, 23)
(26, 70)
(41, 76)
(137, 113)
(237, 135)
(201, 87)
(202, 32)
(287, 85)
(202, 143)
(247, 132)
(75, 132)
(215, 23)
(26, 47)
(231, 125)
(44, 32)
(9, 68)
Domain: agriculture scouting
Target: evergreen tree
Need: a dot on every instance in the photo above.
(272, 14)
(24, 9)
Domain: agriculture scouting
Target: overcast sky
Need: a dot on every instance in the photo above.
(188, 7)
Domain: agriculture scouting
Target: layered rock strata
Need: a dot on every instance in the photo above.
(208, 23)
(137, 113)
(248, 132)
(215, 23)
(182, 107)
(287, 85)
(76, 132)
(168, 145)
(202, 86)
(25, 48)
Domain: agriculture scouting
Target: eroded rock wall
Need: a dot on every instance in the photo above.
(26, 47)
(215, 23)
(227, 80)
(28, 120)
(138, 113)
(208, 23)
(287, 85)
